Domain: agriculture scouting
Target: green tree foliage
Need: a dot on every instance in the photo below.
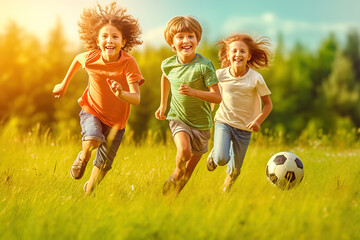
(21, 69)
(320, 71)
(352, 52)
(342, 92)
(58, 60)
(142, 117)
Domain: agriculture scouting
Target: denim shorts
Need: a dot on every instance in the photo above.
(198, 138)
(94, 129)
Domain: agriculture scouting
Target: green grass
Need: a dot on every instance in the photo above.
(39, 199)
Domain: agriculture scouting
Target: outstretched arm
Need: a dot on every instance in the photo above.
(132, 97)
(165, 90)
(212, 96)
(60, 89)
(255, 125)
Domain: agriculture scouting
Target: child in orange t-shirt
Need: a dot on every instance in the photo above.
(114, 80)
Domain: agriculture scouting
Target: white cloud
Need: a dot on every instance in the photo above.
(269, 17)
(153, 37)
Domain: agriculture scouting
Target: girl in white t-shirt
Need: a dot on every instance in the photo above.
(240, 112)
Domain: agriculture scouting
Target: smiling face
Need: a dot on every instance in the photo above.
(238, 55)
(110, 42)
(185, 44)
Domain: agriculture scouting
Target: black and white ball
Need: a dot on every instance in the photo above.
(285, 170)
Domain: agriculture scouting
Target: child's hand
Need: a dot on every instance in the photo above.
(59, 90)
(160, 113)
(186, 90)
(115, 87)
(254, 125)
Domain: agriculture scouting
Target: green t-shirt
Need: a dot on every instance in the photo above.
(198, 74)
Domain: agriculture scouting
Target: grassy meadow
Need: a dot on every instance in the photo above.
(39, 199)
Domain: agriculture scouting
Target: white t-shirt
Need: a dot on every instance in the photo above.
(241, 102)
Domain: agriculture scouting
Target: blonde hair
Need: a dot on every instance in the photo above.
(93, 19)
(182, 24)
(259, 50)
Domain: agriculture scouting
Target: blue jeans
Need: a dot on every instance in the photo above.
(230, 145)
(94, 129)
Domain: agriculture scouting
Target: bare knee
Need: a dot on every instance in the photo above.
(184, 154)
(90, 145)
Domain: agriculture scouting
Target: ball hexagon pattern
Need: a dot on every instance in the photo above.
(285, 170)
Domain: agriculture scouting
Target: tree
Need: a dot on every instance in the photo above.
(142, 117)
(352, 52)
(341, 89)
(10, 66)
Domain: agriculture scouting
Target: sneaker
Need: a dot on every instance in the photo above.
(169, 185)
(210, 164)
(78, 168)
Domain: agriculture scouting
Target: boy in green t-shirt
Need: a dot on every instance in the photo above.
(194, 85)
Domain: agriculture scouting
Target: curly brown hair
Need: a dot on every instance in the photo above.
(258, 48)
(93, 19)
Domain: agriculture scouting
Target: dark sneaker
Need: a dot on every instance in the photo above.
(210, 164)
(78, 168)
(169, 185)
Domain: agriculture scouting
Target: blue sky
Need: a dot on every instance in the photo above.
(306, 21)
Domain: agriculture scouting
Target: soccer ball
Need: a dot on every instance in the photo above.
(285, 170)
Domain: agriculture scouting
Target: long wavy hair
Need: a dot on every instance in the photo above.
(258, 48)
(93, 19)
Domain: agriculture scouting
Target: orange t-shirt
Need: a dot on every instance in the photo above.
(98, 99)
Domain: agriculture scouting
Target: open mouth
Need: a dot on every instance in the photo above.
(238, 60)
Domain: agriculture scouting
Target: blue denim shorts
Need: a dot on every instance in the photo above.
(94, 129)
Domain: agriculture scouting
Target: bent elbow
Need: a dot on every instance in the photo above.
(218, 100)
(136, 102)
(270, 106)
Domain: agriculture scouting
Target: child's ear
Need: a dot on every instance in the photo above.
(123, 43)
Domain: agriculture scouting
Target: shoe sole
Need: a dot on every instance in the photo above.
(72, 175)
(210, 166)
